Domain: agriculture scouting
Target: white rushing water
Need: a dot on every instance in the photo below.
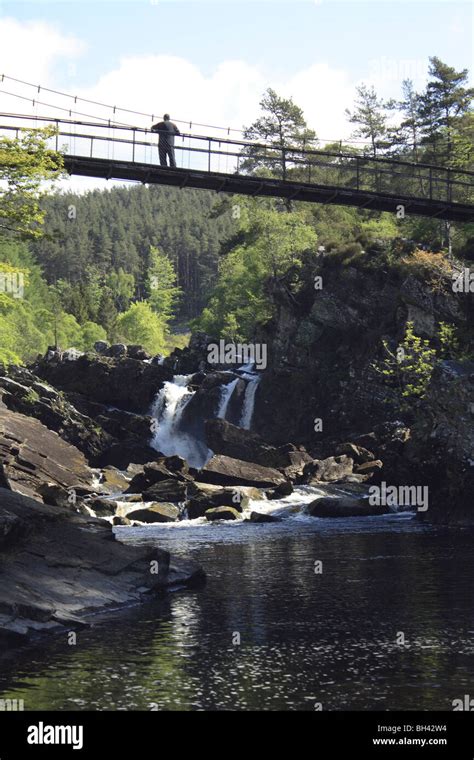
(226, 395)
(170, 438)
(167, 410)
(249, 403)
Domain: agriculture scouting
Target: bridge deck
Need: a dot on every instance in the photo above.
(382, 183)
(249, 185)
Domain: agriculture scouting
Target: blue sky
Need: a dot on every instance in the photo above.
(279, 37)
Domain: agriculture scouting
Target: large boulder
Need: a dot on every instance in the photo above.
(166, 490)
(328, 470)
(166, 468)
(227, 471)
(222, 513)
(344, 506)
(203, 496)
(263, 517)
(155, 513)
(103, 507)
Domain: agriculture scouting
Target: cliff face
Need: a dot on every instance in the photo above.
(441, 447)
(322, 346)
(323, 343)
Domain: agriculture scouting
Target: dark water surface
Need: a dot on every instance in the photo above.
(305, 638)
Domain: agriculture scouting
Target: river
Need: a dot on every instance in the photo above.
(270, 632)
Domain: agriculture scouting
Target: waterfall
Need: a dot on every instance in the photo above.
(167, 410)
(226, 395)
(249, 403)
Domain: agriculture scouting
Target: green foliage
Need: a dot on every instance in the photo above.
(272, 246)
(25, 162)
(410, 366)
(163, 293)
(176, 340)
(141, 325)
(107, 312)
(122, 287)
(113, 233)
(92, 332)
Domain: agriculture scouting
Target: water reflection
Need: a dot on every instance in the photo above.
(304, 637)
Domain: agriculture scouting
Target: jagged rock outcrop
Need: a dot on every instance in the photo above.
(322, 345)
(32, 456)
(129, 384)
(107, 436)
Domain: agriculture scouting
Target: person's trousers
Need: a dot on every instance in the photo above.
(164, 151)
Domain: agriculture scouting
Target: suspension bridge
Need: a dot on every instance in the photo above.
(114, 151)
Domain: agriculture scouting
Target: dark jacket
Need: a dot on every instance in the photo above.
(167, 131)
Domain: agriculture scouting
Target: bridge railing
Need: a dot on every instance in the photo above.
(345, 171)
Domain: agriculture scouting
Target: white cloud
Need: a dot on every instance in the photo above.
(29, 51)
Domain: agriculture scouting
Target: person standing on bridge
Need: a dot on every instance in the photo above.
(167, 131)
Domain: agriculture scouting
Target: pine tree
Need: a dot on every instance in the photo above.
(443, 104)
(371, 117)
(282, 127)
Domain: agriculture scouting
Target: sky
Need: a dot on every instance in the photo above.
(210, 62)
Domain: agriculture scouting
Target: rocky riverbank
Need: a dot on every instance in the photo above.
(58, 568)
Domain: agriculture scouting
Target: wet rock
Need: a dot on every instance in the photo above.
(166, 490)
(331, 469)
(121, 520)
(222, 513)
(344, 506)
(284, 489)
(114, 480)
(262, 517)
(223, 470)
(66, 566)
(155, 513)
(202, 497)
(103, 507)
